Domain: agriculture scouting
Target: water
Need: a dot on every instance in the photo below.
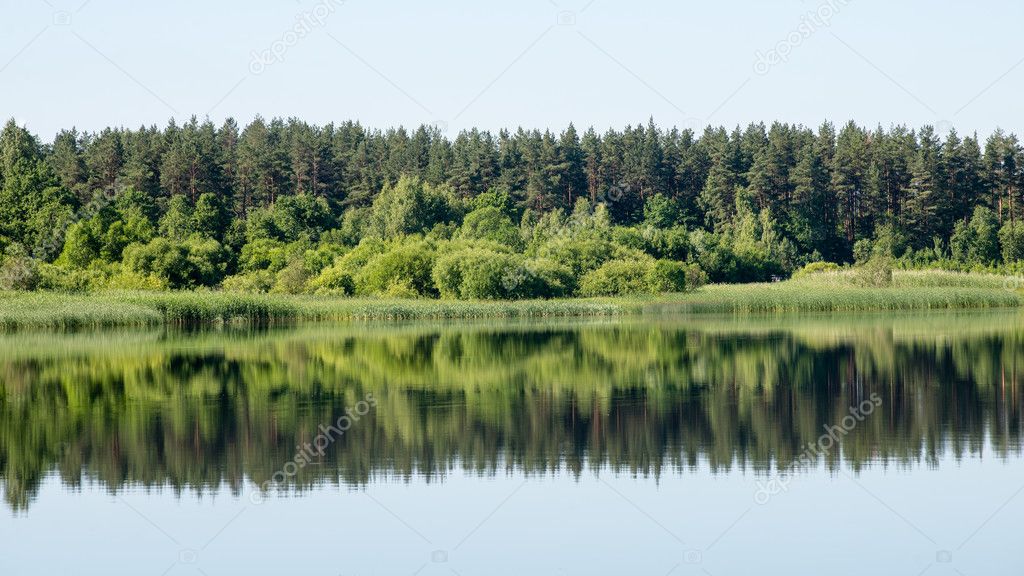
(676, 445)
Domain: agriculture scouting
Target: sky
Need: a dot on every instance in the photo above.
(457, 64)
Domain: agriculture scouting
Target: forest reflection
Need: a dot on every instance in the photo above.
(208, 410)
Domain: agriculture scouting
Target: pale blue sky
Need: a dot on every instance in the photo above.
(536, 63)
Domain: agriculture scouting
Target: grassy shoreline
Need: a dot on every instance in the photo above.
(833, 292)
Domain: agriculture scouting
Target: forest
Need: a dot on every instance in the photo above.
(284, 206)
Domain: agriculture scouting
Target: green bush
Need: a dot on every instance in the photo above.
(1011, 239)
(581, 255)
(128, 280)
(489, 223)
(666, 276)
(189, 264)
(617, 278)
(291, 279)
(263, 254)
(695, 277)
(665, 243)
(409, 265)
(480, 274)
(332, 281)
(641, 276)
(260, 281)
(67, 279)
(877, 272)
(18, 270)
(549, 279)
(816, 268)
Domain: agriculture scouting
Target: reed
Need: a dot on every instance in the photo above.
(822, 292)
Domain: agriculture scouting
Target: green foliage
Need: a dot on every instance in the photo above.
(877, 272)
(404, 268)
(490, 223)
(481, 274)
(18, 270)
(666, 276)
(1011, 239)
(816, 268)
(641, 276)
(209, 218)
(667, 243)
(283, 198)
(334, 280)
(617, 278)
(548, 279)
(194, 262)
(66, 279)
(177, 222)
(409, 207)
(661, 212)
(291, 279)
(977, 242)
(260, 281)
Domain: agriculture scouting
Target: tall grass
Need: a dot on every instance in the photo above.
(823, 292)
(838, 291)
(105, 309)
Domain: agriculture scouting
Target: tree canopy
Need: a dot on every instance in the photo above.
(240, 206)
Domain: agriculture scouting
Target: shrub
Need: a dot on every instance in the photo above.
(194, 262)
(489, 223)
(332, 281)
(641, 276)
(669, 276)
(616, 278)
(695, 277)
(816, 268)
(875, 273)
(481, 274)
(259, 281)
(1011, 238)
(339, 278)
(18, 270)
(128, 280)
(549, 279)
(407, 264)
(581, 255)
(291, 279)
(65, 279)
(668, 244)
(263, 254)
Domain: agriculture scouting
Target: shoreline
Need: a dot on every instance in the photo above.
(53, 310)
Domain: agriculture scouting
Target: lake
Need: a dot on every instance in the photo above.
(673, 445)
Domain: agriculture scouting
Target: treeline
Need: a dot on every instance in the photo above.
(279, 204)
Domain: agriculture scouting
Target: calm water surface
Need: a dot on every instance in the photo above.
(866, 444)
